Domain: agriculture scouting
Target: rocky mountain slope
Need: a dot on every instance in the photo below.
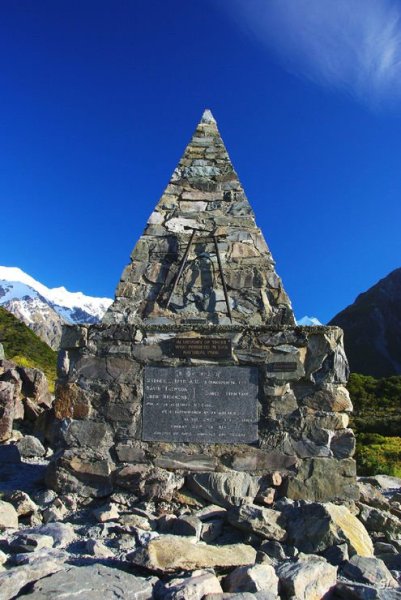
(372, 328)
(44, 309)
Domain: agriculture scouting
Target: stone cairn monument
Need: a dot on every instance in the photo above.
(198, 377)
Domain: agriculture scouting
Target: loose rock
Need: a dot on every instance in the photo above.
(169, 553)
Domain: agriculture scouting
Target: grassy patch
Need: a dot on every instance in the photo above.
(376, 453)
(377, 423)
(25, 348)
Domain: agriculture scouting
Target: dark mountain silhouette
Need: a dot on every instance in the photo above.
(372, 328)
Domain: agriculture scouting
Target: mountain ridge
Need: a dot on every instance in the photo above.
(372, 328)
(45, 310)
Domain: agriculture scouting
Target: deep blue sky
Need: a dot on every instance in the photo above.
(98, 100)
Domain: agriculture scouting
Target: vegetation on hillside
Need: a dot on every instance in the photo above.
(25, 348)
(377, 423)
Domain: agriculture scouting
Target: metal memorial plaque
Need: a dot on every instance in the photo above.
(201, 347)
(200, 404)
(282, 367)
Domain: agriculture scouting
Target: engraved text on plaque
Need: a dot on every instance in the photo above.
(200, 404)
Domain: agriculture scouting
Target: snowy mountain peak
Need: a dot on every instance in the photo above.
(60, 295)
(308, 321)
(45, 309)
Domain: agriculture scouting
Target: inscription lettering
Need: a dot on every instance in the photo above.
(200, 404)
(201, 347)
(282, 367)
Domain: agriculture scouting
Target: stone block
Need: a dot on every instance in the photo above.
(72, 402)
(308, 579)
(224, 489)
(322, 480)
(264, 522)
(254, 459)
(186, 462)
(74, 336)
(169, 553)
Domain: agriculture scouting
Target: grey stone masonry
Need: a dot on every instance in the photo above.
(204, 195)
(188, 384)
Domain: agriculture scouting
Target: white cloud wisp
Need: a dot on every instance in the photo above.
(352, 45)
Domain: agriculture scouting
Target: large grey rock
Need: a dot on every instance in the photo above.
(265, 522)
(224, 489)
(29, 446)
(372, 496)
(316, 527)
(7, 409)
(62, 533)
(14, 579)
(8, 516)
(368, 570)
(360, 591)
(98, 549)
(87, 583)
(88, 476)
(380, 521)
(310, 578)
(169, 553)
(323, 480)
(252, 579)
(186, 526)
(194, 587)
(22, 503)
(31, 542)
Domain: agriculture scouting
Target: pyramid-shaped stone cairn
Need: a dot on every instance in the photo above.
(198, 375)
(203, 211)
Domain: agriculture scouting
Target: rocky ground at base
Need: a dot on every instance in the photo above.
(189, 548)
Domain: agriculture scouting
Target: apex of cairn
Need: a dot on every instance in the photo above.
(207, 117)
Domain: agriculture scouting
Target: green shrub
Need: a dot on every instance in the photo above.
(378, 454)
(25, 348)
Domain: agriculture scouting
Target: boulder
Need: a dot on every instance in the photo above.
(194, 587)
(62, 533)
(310, 578)
(29, 446)
(186, 526)
(108, 512)
(91, 581)
(360, 591)
(22, 503)
(149, 483)
(16, 578)
(316, 527)
(169, 553)
(372, 496)
(225, 489)
(87, 475)
(252, 579)
(98, 549)
(323, 480)
(31, 542)
(265, 522)
(380, 521)
(7, 409)
(8, 516)
(368, 570)
(35, 386)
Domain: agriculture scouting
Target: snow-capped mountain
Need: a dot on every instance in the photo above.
(309, 321)
(45, 309)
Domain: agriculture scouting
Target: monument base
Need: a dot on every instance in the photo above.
(151, 408)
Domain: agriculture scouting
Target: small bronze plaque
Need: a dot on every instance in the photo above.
(201, 347)
(282, 367)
